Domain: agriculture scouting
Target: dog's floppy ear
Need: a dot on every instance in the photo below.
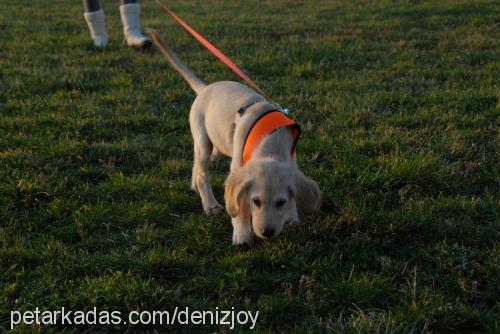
(306, 193)
(236, 186)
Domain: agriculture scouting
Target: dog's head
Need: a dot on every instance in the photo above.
(272, 191)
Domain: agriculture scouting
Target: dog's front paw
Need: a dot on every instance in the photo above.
(243, 239)
(214, 209)
(295, 219)
(242, 243)
(243, 247)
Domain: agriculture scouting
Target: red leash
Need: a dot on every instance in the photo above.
(215, 51)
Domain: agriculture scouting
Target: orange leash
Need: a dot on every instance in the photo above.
(215, 51)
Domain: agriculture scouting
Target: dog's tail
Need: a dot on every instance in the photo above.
(196, 83)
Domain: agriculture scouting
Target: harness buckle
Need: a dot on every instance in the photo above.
(283, 110)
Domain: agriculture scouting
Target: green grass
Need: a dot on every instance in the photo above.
(399, 103)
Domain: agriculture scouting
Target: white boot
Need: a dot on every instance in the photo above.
(97, 26)
(131, 28)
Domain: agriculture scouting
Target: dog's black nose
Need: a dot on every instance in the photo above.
(268, 232)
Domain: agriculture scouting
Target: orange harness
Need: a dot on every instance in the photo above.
(264, 126)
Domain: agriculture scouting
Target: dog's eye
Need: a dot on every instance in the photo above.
(256, 201)
(280, 202)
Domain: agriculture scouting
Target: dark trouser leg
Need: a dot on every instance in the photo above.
(91, 5)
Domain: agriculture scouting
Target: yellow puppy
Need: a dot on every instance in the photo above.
(265, 187)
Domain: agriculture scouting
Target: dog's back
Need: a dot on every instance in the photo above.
(217, 103)
(222, 101)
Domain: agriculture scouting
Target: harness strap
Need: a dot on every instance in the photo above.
(242, 110)
(264, 126)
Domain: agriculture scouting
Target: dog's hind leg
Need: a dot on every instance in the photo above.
(200, 181)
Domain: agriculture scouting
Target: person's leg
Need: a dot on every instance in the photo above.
(94, 16)
(91, 5)
(130, 14)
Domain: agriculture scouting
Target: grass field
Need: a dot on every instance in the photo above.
(399, 105)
